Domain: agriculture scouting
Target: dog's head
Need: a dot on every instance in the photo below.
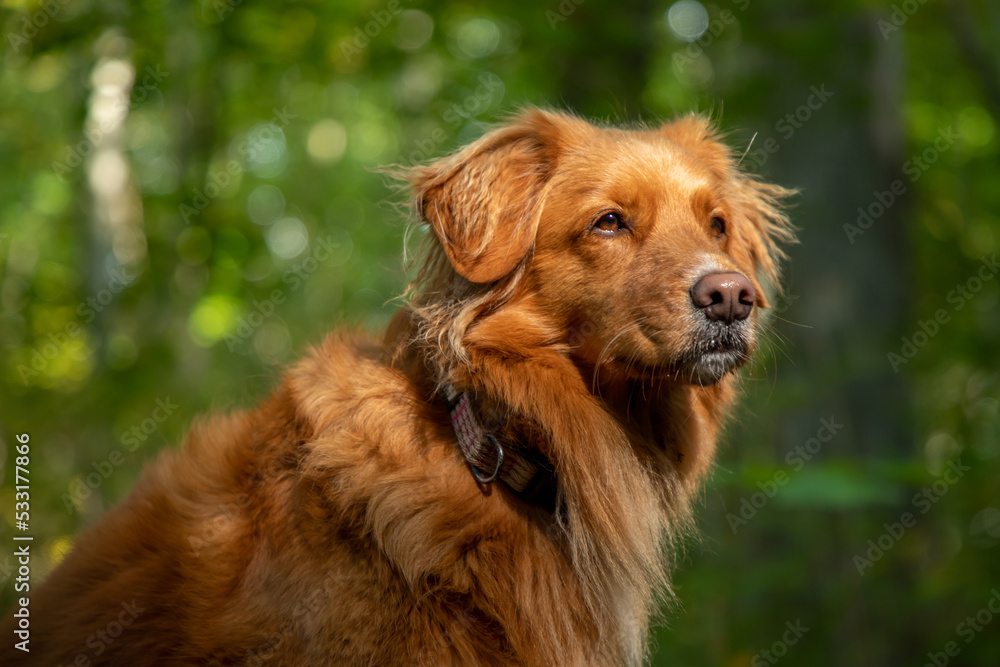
(648, 247)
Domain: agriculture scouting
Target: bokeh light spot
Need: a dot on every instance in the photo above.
(287, 238)
(327, 141)
(688, 20)
(265, 204)
(212, 318)
(477, 38)
(975, 126)
(415, 30)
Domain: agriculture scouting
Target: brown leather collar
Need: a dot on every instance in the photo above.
(525, 471)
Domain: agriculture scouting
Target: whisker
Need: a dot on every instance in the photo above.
(796, 324)
(600, 357)
(752, 139)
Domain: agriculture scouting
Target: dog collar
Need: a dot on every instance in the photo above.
(489, 461)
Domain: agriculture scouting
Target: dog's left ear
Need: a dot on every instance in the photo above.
(761, 225)
(484, 202)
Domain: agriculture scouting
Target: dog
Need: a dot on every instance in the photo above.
(501, 480)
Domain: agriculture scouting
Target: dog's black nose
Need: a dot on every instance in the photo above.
(725, 297)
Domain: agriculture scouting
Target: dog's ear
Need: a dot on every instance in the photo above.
(761, 225)
(484, 202)
(764, 226)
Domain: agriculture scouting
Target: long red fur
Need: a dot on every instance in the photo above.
(338, 524)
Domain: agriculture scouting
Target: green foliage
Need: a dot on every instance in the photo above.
(188, 197)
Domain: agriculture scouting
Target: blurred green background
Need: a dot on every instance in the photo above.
(188, 198)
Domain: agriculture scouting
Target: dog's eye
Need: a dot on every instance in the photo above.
(719, 227)
(609, 223)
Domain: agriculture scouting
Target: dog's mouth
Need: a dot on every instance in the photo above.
(715, 352)
(704, 363)
(711, 367)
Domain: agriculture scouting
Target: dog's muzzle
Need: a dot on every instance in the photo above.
(722, 342)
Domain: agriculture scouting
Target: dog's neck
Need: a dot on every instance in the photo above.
(621, 490)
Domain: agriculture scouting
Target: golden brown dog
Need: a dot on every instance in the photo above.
(501, 480)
